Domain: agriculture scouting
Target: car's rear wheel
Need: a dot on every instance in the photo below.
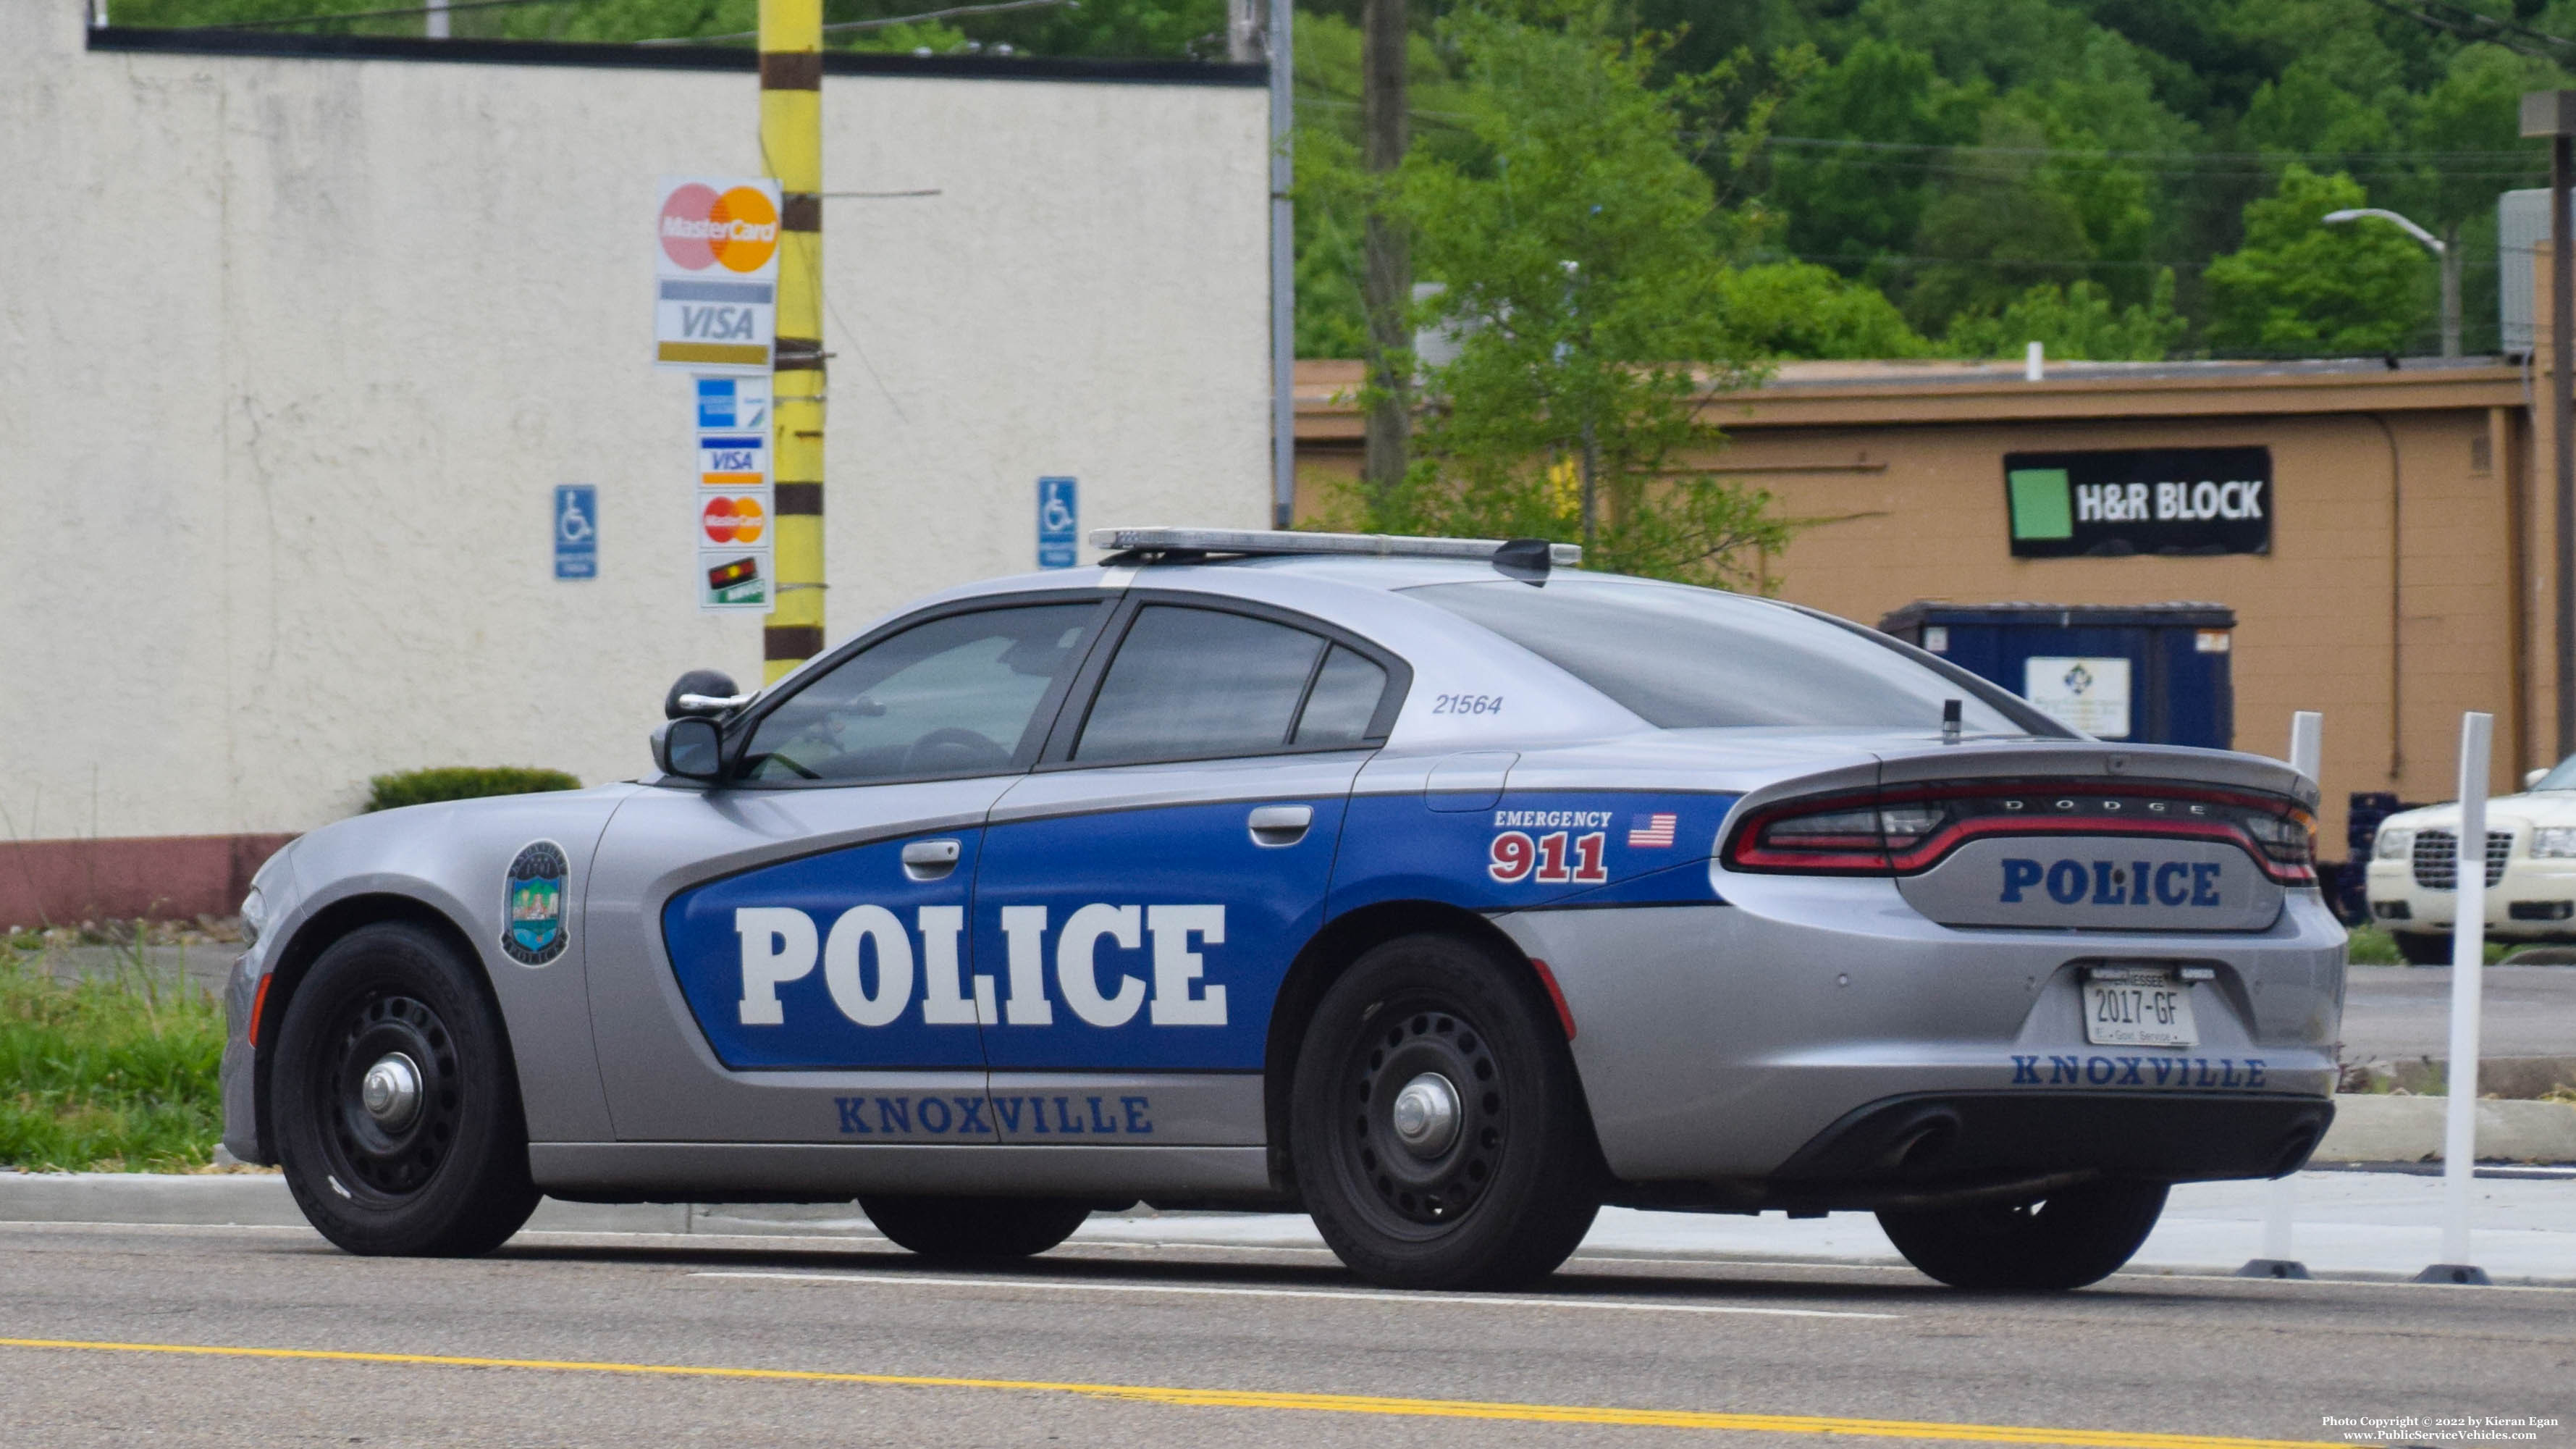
(2423, 948)
(975, 1229)
(1437, 1130)
(2065, 1240)
(396, 1105)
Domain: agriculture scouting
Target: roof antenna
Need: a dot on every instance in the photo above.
(1525, 559)
(1949, 721)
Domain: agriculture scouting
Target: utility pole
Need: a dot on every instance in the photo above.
(1283, 266)
(1243, 31)
(1386, 279)
(2553, 114)
(2451, 290)
(791, 148)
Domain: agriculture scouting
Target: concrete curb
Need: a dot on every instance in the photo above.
(260, 1199)
(2409, 1129)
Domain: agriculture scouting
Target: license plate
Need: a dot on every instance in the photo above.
(2138, 1006)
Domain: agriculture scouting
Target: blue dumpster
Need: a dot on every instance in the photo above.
(2154, 673)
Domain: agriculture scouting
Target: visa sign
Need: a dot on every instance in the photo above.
(733, 460)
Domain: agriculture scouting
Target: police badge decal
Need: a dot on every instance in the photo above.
(532, 905)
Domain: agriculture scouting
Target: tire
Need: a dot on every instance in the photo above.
(2423, 948)
(1498, 1199)
(975, 1229)
(451, 1178)
(2065, 1240)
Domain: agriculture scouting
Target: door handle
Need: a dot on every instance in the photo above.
(1280, 824)
(929, 859)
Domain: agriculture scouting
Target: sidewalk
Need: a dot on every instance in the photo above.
(2350, 1224)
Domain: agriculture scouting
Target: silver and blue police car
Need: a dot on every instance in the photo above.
(1430, 887)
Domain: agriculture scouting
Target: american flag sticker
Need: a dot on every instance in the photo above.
(1650, 832)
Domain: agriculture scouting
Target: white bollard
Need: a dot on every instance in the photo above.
(2468, 970)
(2281, 1195)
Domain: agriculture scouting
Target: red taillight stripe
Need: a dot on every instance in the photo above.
(1845, 854)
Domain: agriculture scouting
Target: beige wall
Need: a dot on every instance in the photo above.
(292, 353)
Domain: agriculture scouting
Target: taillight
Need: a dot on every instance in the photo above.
(1909, 829)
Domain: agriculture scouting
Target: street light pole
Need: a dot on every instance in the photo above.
(2553, 114)
(1283, 266)
(2443, 252)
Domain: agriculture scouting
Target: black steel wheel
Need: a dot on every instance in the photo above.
(2064, 1240)
(1437, 1130)
(975, 1229)
(396, 1105)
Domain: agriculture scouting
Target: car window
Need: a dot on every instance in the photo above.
(1197, 683)
(1684, 658)
(1343, 701)
(954, 696)
(2561, 778)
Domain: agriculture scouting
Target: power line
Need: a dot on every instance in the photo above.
(409, 10)
(952, 12)
(2267, 157)
(2469, 24)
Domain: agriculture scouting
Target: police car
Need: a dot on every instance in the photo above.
(1429, 886)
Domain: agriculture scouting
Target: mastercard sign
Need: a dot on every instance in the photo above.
(735, 518)
(715, 257)
(716, 227)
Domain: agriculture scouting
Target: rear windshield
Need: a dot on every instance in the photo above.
(1687, 658)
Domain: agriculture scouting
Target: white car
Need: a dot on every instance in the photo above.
(2531, 869)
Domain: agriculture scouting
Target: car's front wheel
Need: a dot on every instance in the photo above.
(975, 1229)
(2064, 1240)
(396, 1106)
(1438, 1133)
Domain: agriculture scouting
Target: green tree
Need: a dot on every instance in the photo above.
(1580, 258)
(1800, 309)
(2299, 286)
(2075, 321)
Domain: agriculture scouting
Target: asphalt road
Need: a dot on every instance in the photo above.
(2393, 1013)
(619, 1340)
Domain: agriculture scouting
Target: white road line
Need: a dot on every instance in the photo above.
(1478, 1300)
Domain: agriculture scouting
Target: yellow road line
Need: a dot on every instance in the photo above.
(1260, 1399)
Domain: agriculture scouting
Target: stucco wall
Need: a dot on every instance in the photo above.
(292, 353)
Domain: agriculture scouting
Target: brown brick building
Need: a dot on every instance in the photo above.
(2407, 520)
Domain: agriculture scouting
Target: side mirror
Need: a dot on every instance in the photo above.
(706, 692)
(2532, 778)
(691, 748)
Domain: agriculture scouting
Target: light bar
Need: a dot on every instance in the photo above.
(1266, 541)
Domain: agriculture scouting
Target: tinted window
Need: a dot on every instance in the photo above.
(1683, 657)
(954, 696)
(1193, 683)
(1344, 699)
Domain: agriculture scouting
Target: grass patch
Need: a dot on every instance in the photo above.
(2372, 946)
(111, 1074)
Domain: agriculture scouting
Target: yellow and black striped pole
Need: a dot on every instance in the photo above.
(791, 143)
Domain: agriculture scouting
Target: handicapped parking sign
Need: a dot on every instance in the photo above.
(576, 531)
(1059, 517)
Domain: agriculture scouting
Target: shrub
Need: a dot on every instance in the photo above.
(461, 782)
